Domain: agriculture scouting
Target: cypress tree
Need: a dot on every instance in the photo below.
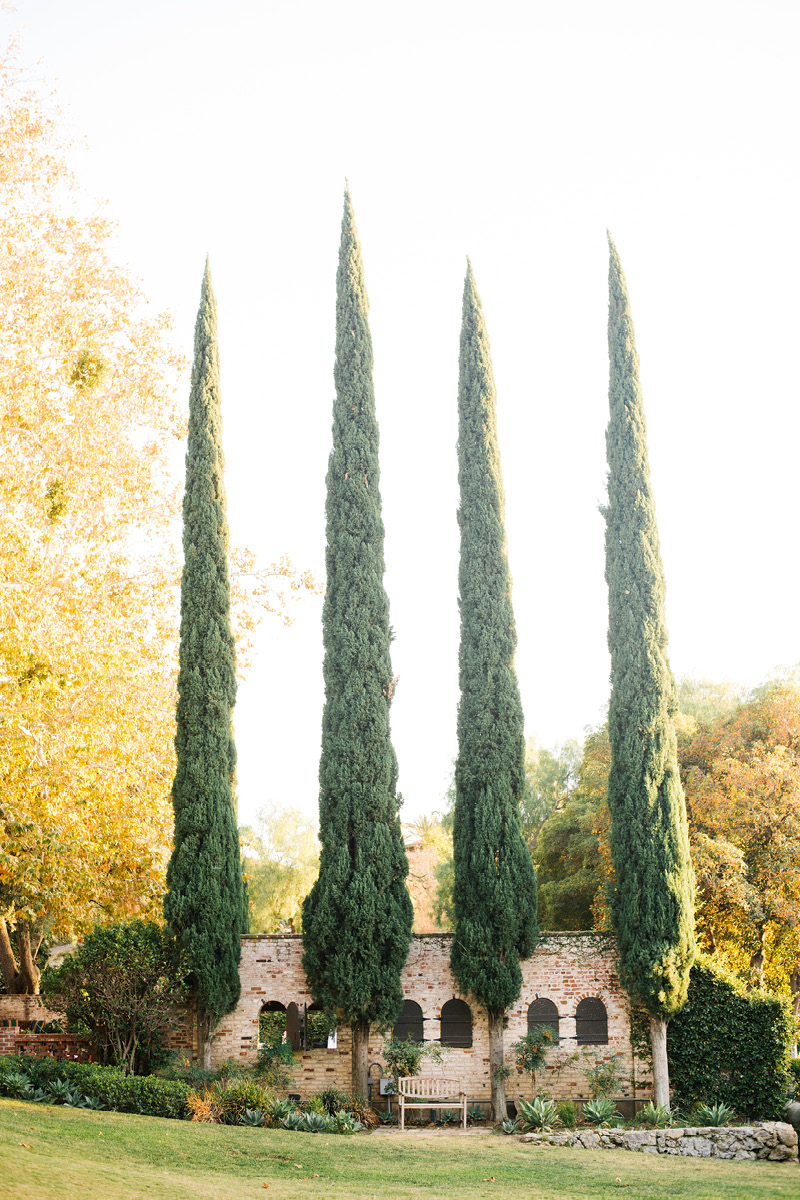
(653, 905)
(203, 905)
(358, 917)
(494, 893)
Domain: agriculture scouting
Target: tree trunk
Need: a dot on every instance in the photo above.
(204, 1041)
(27, 947)
(8, 961)
(497, 1064)
(756, 979)
(658, 1046)
(794, 984)
(360, 1057)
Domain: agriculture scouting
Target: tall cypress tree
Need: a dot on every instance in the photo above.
(494, 895)
(653, 905)
(203, 905)
(357, 919)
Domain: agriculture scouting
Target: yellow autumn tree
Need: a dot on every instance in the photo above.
(88, 577)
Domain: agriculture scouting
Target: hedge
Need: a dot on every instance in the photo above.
(144, 1094)
(730, 1045)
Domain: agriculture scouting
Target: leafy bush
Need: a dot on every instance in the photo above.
(713, 1114)
(403, 1056)
(124, 983)
(568, 1114)
(333, 1100)
(657, 1116)
(530, 1051)
(235, 1095)
(604, 1073)
(538, 1113)
(274, 1066)
(146, 1094)
(600, 1111)
(729, 1045)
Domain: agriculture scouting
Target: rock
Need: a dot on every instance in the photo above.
(792, 1110)
(786, 1134)
(780, 1154)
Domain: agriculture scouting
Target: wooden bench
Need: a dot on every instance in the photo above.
(415, 1091)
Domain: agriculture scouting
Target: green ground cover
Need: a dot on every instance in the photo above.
(49, 1153)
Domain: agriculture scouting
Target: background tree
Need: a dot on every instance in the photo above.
(281, 862)
(357, 919)
(203, 905)
(86, 420)
(653, 904)
(494, 895)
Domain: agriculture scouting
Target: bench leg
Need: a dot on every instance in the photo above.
(464, 1115)
(402, 1116)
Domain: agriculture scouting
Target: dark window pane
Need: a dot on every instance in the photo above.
(591, 1022)
(409, 1023)
(543, 1012)
(456, 1024)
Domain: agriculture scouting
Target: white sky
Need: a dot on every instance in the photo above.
(514, 132)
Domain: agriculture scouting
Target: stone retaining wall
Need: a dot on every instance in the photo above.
(773, 1140)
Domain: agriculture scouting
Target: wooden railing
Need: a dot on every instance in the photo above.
(56, 1045)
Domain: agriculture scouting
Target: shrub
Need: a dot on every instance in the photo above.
(145, 1094)
(403, 1056)
(729, 1045)
(604, 1073)
(275, 1062)
(234, 1096)
(530, 1051)
(568, 1114)
(332, 1100)
(124, 984)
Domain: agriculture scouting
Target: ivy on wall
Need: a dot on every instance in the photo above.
(730, 1045)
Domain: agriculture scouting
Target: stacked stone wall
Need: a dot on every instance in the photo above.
(566, 968)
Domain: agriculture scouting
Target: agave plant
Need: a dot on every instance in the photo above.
(253, 1117)
(475, 1112)
(278, 1110)
(317, 1122)
(73, 1098)
(60, 1090)
(294, 1120)
(600, 1111)
(657, 1116)
(92, 1102)
(345, 1122)
(714, 1114)
(16, 1082)
(538, 1113)
(41, 1096)
(387, 1117)
(510, 1126)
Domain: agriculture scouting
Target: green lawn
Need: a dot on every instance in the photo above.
(48, 1153)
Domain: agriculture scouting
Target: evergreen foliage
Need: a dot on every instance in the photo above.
(204, 903)
(653, 905)
(731, 1046)
(494, 894)
(357, 919)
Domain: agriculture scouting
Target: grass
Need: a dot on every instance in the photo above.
(49, 1153)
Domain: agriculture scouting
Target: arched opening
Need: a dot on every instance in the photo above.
(271, 1023)
(456, 1025)
(591, 1022)
(316, 1028)
(409, 1023)
(543, 1012)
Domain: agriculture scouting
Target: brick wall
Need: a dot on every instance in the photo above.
(23, 1011)
(566, 968)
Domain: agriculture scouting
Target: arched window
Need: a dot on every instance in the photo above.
(591, 1022)
(271, 1023)
(409, 1023)
(456, 1024)
(543, 1012)
(316, 1028)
